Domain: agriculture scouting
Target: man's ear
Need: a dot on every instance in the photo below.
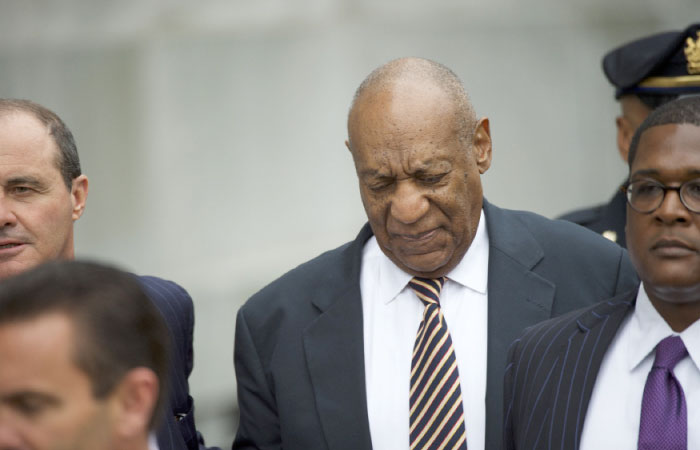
(482, 145)
(347, 144)
(134, 402)
(624, 136)
(79, 193)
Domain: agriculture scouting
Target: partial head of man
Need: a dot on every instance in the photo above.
(663, 212)
(649, 72)
(419, 151)
(84, 358)
(42, 189)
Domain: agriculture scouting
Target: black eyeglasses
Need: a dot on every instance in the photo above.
(645, 196)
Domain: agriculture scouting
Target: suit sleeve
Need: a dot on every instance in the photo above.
(259, 426)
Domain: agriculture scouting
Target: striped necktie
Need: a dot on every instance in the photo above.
(436, 414)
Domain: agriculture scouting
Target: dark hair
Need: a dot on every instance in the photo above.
(684, 110)
(67, 159)
(654, 101)
(117, 326)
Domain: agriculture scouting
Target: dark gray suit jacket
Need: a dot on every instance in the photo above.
(551, 372)
(299, 353)
(177, 430)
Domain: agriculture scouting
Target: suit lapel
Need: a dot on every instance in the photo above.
(334, 348)
(517, 297)
(580, 354)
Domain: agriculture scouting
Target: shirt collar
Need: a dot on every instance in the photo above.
(471, 271)
(152, 441)
(648, 328)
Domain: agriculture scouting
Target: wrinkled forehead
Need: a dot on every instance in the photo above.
(404, 96)
(407, 109)
(21, 132)
(672, 149)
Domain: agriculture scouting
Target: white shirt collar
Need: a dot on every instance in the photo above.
(471, 271)
(648, 328)
(152, 441)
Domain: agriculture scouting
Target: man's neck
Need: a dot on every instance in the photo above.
(136, 444)
(679, 306)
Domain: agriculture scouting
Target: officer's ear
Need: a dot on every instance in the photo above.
(625, 131)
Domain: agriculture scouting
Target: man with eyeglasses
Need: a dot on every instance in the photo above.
(625, 373)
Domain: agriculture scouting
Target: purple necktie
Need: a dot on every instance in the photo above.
(664, 420)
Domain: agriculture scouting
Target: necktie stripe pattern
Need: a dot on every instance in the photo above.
(664, 420)
(436, 413)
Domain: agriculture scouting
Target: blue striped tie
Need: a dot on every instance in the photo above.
(436, 414)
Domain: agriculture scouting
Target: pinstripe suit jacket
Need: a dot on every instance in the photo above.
(551, 372)
(177, 430)
(299, 351)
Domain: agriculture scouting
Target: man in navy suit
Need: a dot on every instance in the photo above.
(84, 359)
(42, 193)
(323, 355)
(589, 379)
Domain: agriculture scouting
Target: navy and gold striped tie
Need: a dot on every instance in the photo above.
(436, 414)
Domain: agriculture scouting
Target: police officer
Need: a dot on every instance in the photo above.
(646, 73)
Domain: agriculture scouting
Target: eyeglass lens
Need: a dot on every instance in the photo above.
(647, 195)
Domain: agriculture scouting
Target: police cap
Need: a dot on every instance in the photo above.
(662, 64)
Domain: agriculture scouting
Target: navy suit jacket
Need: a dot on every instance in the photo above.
(611, 216)
(551, 372)
(177, 430)
(299, 352)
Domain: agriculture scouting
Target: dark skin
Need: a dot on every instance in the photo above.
(633, 114)
(665, 244)
(419, 180)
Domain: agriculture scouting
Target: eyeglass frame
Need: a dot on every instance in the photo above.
(625, 188)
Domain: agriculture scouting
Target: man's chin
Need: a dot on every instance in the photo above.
(13, 267)
(429, 265)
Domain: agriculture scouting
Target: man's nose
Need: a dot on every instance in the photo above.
(7, 213)
(408, 204)
(672, 209)
(9, 438)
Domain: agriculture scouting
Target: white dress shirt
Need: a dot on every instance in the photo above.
(612, 419)
(152, 442)
(392, 313)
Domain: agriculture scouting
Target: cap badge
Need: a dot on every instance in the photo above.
(692, 54)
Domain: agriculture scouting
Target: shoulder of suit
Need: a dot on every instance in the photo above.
(168, 296)
(584, 216)
(583, 318)
(555, 233)
(328, 272)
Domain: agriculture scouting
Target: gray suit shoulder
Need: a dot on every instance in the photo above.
(555, 233)
(584, 216)
(323, 277)
(578, 255)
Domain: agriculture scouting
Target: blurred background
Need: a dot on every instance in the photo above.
(212, 131)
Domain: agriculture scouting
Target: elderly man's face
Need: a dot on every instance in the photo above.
(37, 210)
(46, 402)
(419, 181)
(665, 245)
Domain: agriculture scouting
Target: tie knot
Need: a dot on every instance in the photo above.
(669, 352)
(427, 289)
